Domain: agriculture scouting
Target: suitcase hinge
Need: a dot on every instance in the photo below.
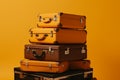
(83, 50)
(67, 51)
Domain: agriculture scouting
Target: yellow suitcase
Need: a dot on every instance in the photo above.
(57, 36)
(43, 66)
(63, 20)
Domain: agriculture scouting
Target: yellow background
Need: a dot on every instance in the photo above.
(103, 26)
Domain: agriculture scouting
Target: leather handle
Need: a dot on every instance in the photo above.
(46, 20)
(43, 37)
(38, 56)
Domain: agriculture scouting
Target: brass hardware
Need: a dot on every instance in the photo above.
(55, 18)
(67, 51)
(83, 50)
(50, 65)
(50, 50)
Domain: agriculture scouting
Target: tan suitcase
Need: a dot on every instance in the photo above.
(63, 20)
(57, 36)
(80, 64)
(43, 66)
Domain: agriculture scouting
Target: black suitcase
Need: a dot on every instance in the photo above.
(55, 52)
(68, 75)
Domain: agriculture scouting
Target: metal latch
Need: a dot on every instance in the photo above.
(26, 64)
(67, 51)
(83, 50)
(55, 18)
(50, 65)
(50, 50)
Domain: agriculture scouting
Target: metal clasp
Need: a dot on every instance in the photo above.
(50, 65)
(50, 50)
(67, 51)
(83, 50)
(55, 18)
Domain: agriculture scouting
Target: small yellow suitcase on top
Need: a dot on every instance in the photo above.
(57, 36)
(63, 20)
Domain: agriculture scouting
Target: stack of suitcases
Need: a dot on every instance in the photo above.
(57, 50)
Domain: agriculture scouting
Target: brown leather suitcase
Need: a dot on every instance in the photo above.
(55, 52)
(63, 20)
(43, 66)
(80, 64)
(57, 36)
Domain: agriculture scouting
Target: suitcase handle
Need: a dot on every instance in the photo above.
(38, 56)
(43, 37)
(46, 20)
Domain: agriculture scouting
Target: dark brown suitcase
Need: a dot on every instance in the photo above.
(55, 52)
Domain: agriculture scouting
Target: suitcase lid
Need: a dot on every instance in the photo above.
(49, 64)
